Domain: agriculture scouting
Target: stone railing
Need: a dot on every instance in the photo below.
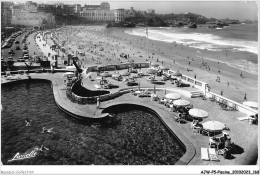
(232, 104)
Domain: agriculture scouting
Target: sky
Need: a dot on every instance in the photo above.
(241, 10)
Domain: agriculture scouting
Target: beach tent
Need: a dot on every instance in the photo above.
(214, 126)
(198, 113)
(181, 103)
(172, 96)
(251, 104)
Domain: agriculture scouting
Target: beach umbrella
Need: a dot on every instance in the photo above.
(172, 96)
(181, 102)
(198, 113)
(251, 104)
(151, 71)
(213, 126)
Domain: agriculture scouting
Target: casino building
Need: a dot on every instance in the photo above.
(102, 12)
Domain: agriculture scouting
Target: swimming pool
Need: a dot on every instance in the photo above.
(138, 139)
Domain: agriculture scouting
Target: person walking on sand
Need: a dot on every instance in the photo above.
(245, 99)
(241, 75)
(195, 76)
(221, 93)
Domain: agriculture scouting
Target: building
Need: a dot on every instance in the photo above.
(102, 12)
(119, 15)
(77, 8)
(27, 14)
(6, 14)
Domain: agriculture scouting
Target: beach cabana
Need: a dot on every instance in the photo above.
(181, 103)
(172, 96)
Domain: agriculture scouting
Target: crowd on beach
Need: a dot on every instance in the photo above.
(95, 45)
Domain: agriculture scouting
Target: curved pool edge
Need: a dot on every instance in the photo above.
(172, 127)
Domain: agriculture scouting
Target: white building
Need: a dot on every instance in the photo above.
(119, 15)
(102, 12)
(27, 15)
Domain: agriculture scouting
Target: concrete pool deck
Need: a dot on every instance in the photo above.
(245, 139)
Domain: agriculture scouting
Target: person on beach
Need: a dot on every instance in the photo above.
(221, 93)
(195, 76)
(27, 121)
(245, 99)
(241, 75)
(228, 84)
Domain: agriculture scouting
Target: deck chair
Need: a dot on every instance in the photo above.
(204, 154)
(213, 155)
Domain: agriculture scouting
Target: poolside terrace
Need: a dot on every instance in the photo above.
(242, 133)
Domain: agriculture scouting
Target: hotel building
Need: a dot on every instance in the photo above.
(102, 12)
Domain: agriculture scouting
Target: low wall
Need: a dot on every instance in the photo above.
(117, 67)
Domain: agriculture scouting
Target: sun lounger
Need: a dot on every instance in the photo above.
(204, 154)
(213, 155)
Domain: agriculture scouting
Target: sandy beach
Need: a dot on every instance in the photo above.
(103, 46)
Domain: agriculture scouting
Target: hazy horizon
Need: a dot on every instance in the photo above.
(241, 10)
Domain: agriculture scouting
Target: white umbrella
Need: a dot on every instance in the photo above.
(181, 102)
(213, 125)
(199, 113)
(251, 104)
(173, 96)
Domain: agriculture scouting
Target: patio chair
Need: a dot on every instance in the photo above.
(213, 155)
(204, 154)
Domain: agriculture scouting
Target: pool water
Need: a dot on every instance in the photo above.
(138, 139)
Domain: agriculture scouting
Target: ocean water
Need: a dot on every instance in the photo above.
(238, 38)
(138, 139)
